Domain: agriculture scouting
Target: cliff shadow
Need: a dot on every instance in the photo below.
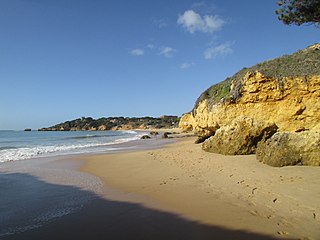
(35, 209)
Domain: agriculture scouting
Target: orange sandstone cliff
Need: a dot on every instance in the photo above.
(272, 108)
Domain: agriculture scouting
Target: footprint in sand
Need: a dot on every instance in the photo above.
(174, 178)
(284, 223)
(253, 190)
(282, 233)
(163, 183)
(254, 213)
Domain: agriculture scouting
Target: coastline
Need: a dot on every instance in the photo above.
(178, 191)
(233, 192)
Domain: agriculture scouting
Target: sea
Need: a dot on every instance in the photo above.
(22, 145)
(36, 188)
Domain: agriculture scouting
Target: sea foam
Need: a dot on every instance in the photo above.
(73, 144)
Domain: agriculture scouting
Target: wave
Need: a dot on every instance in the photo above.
(90, 136)
(7, 147)
(23, 153)
(130, 132)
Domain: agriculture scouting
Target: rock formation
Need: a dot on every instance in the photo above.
(284, 91)
(289, 148)
(145, 137)
(165, 135)
(154, 133)
(186, 122)
(240, 137)
(297, 105)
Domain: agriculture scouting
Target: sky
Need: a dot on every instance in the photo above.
(65, 59)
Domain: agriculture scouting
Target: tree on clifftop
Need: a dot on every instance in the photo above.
(299, 12)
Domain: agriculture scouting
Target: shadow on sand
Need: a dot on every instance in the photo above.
(97, 219)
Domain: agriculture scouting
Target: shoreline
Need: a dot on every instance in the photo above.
(236, 192)
(178, 191)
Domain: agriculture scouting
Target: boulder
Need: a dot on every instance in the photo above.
(154, 133)
(290, 148)
(145, 137)
(165, 135)
(240, 137)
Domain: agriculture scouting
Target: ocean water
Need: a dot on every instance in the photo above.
(35, 190)
(21, 145)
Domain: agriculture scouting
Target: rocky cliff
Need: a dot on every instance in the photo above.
(284, 91)
(295, 106)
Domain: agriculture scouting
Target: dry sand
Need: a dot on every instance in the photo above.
(225, 192)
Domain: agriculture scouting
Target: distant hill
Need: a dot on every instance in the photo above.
(115, 123)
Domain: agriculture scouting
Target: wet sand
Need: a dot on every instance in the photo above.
(105, 219)
(229, 192)
(176, 192)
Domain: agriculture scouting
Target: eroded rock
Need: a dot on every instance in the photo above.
(145, 137)
(240, 137)
(290, 148)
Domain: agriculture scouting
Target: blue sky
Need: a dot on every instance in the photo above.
(64, 59)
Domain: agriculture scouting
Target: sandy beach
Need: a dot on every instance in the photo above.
(177, 191)
(229, 192)
(159, 120)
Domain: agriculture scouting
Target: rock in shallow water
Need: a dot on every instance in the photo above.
(154, 133)
(289, 148)
(145, 137)
(165, 135)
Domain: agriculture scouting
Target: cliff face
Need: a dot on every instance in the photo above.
(284, 97)
(187, 122)
(294, 107)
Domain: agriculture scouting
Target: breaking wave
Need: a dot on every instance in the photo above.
(87, 144)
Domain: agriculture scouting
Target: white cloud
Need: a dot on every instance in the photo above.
(137, 52)
(194, 22)
(220, 50)
(150, 46)
(186, 65)
(167, 51)
(161, 23)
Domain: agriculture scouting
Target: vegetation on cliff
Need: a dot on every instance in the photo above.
(272, 109)
(303, 63)
(115, 123)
